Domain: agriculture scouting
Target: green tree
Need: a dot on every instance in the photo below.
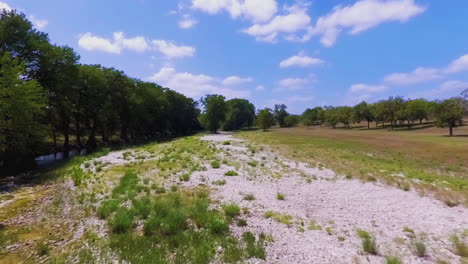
(311, 116)
(448, 114)
(291, 120)
(280, 114)
(265, 119)
(240, 113)
(215, 111)
(363, 111)
(22, 105)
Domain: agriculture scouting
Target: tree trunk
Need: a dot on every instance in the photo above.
(66, 143)
(451, 130)
(78, 132)
(368, 125)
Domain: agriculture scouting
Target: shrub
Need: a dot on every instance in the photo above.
(122, 221)
(280, 196)
(231, 210)
(107, 207)
(219, 182)
(184, 177)
(419, 248)
(254, 248)
(313, 225)
(215, 164)
(241, 222)
(231, 173)
(77, 175)
(368, 242)
(227, 142)
(142, 207)
(252, 163)
(393, 260)
(42, 249)
(461, 248)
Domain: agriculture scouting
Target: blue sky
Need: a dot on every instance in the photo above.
(301, 53)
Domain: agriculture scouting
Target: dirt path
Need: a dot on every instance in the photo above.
(318, 219)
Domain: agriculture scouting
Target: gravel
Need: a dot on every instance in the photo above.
(343, 206)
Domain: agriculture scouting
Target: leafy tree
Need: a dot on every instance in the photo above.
(311, 116)
(280, 114)
(215, 111)
(240, 113)
(345, 115)
(331, 116)
(448, 114)
(363, 111)
(22, 105)
(265, 119)
(291, 120)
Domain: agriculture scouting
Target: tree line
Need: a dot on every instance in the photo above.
(392, 112)
(48, 99)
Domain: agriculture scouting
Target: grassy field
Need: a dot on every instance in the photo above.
(422, 158)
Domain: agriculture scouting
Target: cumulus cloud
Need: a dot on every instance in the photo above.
(171, 50)
(260, 88)
(424, 74)
(295, 19)
(119, 42)
(361, 16)
(235, 80)
(195, 85)
(187, 22)
(255, 10)
(300, 60)
(38, 23)
(366, 88)
(5, 6)
(293, 84)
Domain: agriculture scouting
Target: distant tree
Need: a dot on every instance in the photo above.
(311, 116)
(331, 116)
(22, 104)
(291, 120)
(280, 114)
(215, 111)
(345, 115)
(464, 94)
(240, 113)
(363, 111)
(265, 119)
(448, 114)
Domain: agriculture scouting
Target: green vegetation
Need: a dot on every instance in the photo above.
(368, 242)
(313, 225)
(281, 218)
(231, 173)
(419, 247)
(460, 247)
(215, 164)
(280, 196)
(249, 197)
(393, 260)
(265, 119)
(255, 248)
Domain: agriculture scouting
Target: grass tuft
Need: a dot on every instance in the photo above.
(368, 242)
(231, 173)
(280, 196)
(215, 164)
(393, 260)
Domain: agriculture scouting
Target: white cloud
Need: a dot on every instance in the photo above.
(235, 80)
(417, 76)
(5, 6)
(38, 23)
(119, 42)
(187, 22)
(366, 88)
(423, 74)
(295, 20)
(300, 61)
(90, 42)
(458, 65)
(293, 84)
(171, 50)
(194, 85)
(260, 88)
(255, 10)
(446, 90)
(361, 16)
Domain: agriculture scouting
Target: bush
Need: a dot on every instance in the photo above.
(42, 249)
(122, 221)
(419, 248)
(231, 173)
(231, 210)
(215, 164)
(254, 248)
(280, 196)
(393, 260)
(227, 142)
(368, 242)
(249, 197)
(461, 248)
(184, 177)
(107, 207)
(78, 175)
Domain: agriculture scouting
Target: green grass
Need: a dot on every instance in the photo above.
(42, 249)
(255, 247)
(249, 197)
(107, 207)
(280, 196)
(231, 210)
(418, 155)
(215, 164)
(393, 260)
(460, 247)
(368, 242)
(231, 173)
(281, 218)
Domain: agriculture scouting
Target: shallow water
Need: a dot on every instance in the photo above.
(50, 159)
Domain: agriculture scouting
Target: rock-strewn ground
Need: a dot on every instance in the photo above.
(337, 205)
